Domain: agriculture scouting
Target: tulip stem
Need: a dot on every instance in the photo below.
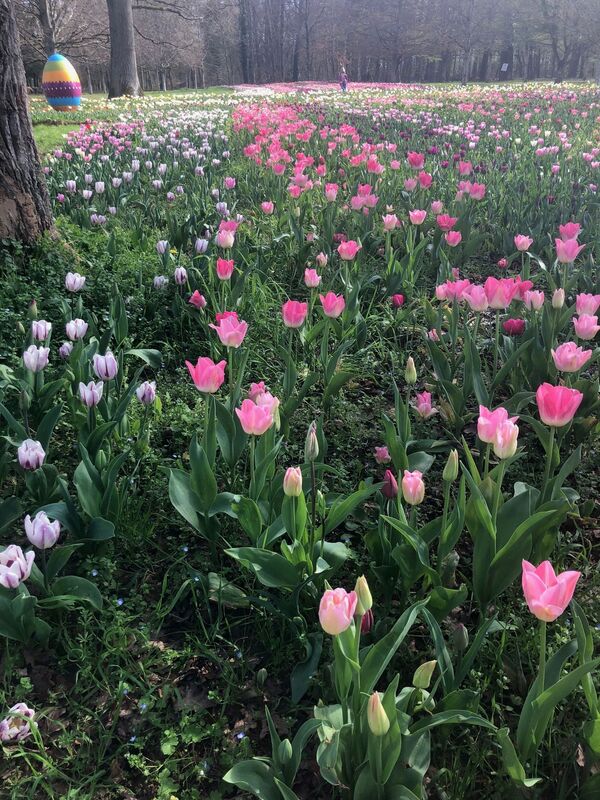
(549, 461)
(498, 492)
(442, 541)
(252, 467)
(231, 381)
(497, 344)
(542, 672)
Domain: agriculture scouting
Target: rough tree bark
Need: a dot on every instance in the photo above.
(24, 203)
(124, 78)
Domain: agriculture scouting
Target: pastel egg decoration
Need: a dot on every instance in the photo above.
(60, 83)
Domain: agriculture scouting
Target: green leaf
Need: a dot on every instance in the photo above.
(183, 498)
(249, 517)
(80, 588)
(380, 655)
(511, 760)
(151, 357)
(10, 510)
(271, 569)
(203, 481)
(59, 558)
(47, 425)
(453, 717)
(305, 669)
(335, 384)
(100, 530)
(255, 777)
(342, 509)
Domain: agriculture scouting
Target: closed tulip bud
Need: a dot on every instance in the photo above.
(321, 503)
(423, 673)
(450, 472)
(447, 569)
(261, 677)
(460, 638)
(311, 446)
(365, 600)
(24, 401)
(32, 311)
(284, 751)
(292, 482)
(558, 298)
(20, 328)
(410, 373)
(366, 622)
(379, 723)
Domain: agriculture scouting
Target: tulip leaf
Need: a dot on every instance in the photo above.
(202, 479)
(47, 425)
(305, 669)
(452, 717)
(249, 517)
(183, 498)
(511, 760)
(79, 588)
(380, 655)
(151, 357)
(271, 569)
(342, 509)
(256, 777)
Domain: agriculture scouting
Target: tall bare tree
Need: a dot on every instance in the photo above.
(24, 203)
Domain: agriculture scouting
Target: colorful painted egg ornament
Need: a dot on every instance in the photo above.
(60, 83)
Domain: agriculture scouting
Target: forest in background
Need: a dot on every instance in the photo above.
(198, 43)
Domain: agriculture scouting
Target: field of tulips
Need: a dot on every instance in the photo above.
(300, 450)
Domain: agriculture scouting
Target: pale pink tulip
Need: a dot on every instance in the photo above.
(417, 216)
(567, 252)
(254, 419)
(587, 303)
(333, 304)
(568, 357)
(312, 279)
(348, 250)
(423, 405)
(230, 330)
(547, 594)
(207, 375)
(336, 610)
(523, 243)
(586, 326)
(489, 421)
(413, 487)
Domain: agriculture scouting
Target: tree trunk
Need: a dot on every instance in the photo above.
(47, 27)
(123, 66)
(24, 204)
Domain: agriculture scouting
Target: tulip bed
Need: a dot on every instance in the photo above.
(300, 450)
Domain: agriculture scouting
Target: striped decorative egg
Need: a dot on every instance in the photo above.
(60, 83)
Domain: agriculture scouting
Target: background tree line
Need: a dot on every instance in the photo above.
(196, 43)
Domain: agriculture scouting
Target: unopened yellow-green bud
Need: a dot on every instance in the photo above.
(410, 373)
(365, 601)
(450, 472)
(422, 676)
(379, 723)
(460, 637)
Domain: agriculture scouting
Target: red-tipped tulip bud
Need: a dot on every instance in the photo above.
(365, 601)
(366, 622)
(379, 723)
(410, 373)
(292, 482)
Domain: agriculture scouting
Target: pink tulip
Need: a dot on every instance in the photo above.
(230, 330)
(533, 300)
(547, 594)
(503, 263)
(197, 300)
(410, 184)
(489, 421)
(382, 455)
(476, 298)
(453, 238)
(224, 269)
(423, 406)
(336, 610)
(348, 250)
(331, 192)
(505, 439)
(294, 313)
(390, 221)
(390, 485)
(425, 180)
(436, 207)
(523, 243)
(477, 191)
(570, 230)
(586, 326)
(322, 259)
(445, 222)
(254, 419)
(415, 160)
(225, 239)
(333, 304)
(570, 358)
(417, 216)
(292, 482)
(567, 252)
(413, 487)
(557, 404)
(311, 278)
(256, 389)
(267, 207)
(397, 300)
(206, 374)
(500, 293)
(514, 327)
(587, 303)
